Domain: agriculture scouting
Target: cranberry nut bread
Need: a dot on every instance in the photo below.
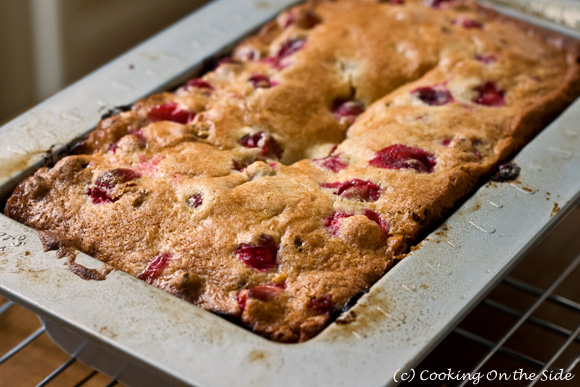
(281, 185)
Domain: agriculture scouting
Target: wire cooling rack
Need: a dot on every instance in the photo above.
(529, 323)
(34, 359)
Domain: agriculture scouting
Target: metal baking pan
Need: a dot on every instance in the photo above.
(565, 12)
(144, 336)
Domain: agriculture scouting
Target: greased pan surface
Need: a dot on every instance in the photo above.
(396, 323)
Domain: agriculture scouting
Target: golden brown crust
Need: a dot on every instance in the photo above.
(259, 192)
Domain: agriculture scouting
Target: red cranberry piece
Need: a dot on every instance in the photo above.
(363, 190)
(280, 285)
(401, 156)
(263, 293)
(322, 304)
(347, 110)
(113, 147)
(242, 298)
(148, 166)
(433, 96)
(120, 175)
(269, 146)
(290, 47)
(251, 140)
(170, 112)
(260, 257)
(290, 19)
(155, 267)
(249, 54)
(261, 81)
(242, 165)
(490, 95)
(375, 217)
(446, 141)
(195, 201)
(272, 61)
(287, 49)
(487, 59)
(468, 23)
(438, 3)
(102, 190)
(100, 195)
(332, 163)
(198, 83)
(332, 223)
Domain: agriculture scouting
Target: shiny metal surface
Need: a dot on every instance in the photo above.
(402, 317)
(565, 12)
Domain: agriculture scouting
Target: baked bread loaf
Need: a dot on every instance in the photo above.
(284, 183)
